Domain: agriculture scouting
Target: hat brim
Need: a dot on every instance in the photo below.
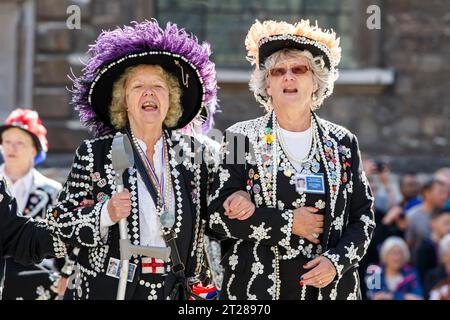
(35, 138)
(274, 44)
(192, 97)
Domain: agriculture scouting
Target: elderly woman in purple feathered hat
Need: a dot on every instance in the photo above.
(146, 82)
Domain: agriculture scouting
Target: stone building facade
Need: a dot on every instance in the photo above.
(393, 91)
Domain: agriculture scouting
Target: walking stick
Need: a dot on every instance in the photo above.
(122, 159)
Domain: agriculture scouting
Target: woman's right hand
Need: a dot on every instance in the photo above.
(307, 223)
(119, 205)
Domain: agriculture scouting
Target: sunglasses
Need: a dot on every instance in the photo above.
(281, 71)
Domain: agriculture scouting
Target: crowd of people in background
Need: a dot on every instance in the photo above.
(409, 256)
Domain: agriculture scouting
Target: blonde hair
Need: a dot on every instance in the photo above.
(117, 111)
(321, 76)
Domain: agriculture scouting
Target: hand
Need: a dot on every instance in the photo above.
(383, 296)
(239, 206)
(306, 223)
(119, 206)
(321, 274)
(62, 285)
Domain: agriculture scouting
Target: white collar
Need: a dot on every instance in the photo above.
(157, 146)
(26, 180)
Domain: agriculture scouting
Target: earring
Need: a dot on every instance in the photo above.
(314, 97)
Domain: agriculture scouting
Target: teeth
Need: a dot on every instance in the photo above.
(149, 104)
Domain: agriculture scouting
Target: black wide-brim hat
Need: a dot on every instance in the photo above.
(100, 95)
(265, 38)
(273, 44)
(146, 43)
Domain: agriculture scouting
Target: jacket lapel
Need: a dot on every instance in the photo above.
(264, 158)
(183, 205)
(328, 148)
(130, 183)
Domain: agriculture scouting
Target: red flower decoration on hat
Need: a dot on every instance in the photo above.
(29, 120)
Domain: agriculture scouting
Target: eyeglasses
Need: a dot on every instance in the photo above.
(281, 71)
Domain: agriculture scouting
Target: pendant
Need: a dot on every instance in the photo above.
(167, 219)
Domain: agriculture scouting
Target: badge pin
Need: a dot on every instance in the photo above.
(102, 183)
(95, 176)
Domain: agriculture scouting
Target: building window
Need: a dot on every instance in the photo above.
(224, 24)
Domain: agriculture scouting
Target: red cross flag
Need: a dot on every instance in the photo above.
(152, 265)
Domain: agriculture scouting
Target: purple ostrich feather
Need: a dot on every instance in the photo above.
(140, 37)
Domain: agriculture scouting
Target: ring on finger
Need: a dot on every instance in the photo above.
(315, 235)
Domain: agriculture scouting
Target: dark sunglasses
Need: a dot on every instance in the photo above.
(281, 71)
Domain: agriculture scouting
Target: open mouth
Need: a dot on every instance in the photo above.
(149, 106)
(289, 90)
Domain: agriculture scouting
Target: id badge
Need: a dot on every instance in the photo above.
(310, 183)
(114, 267)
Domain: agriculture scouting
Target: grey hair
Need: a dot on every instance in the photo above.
(391, 242)
(322, 76)
(117, 111)
(444, 245)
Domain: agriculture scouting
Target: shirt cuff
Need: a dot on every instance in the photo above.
(105, 221)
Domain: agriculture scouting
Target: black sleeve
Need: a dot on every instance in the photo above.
(25, 240)
(267, 226)
(77, 225)
(357, 235)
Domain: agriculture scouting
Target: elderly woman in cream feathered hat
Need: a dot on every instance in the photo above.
(303, 217)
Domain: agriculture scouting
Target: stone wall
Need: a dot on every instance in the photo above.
(406, 123)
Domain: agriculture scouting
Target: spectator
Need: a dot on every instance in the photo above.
(384, 189)
(392, 223)
(438, 278)
(443, 175)
(24, 145)
(426, 257)
(394, 279)
(410, 190)
(434, 194)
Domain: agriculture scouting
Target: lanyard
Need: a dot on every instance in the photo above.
(161, 181)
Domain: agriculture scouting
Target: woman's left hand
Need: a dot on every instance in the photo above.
(239, 206)
(322, 273)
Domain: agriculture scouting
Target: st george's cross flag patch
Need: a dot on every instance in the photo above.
(153, 265)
